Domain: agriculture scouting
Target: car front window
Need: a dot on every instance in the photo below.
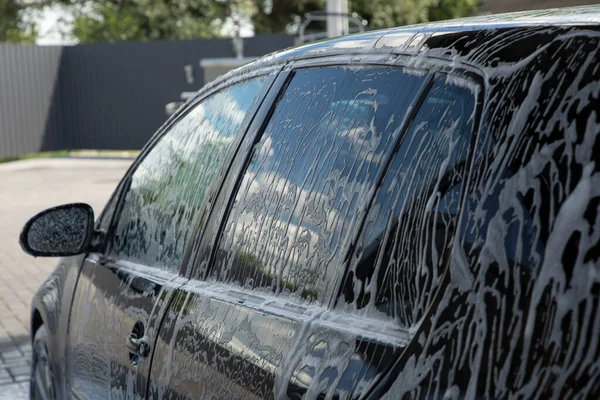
(169, 185)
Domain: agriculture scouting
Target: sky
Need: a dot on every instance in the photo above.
(50, 25)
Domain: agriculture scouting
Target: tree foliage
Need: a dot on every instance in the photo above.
(386, 13)
(118, 20)
(276, 15)
(448, 9)
(12, 28)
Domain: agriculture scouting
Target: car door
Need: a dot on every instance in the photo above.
(124, 288)
(269, 259)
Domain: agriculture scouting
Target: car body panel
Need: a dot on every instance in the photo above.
(51, 306)
(220, 343)
(518, 313)
(111, 300)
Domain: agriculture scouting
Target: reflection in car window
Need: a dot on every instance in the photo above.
(310, 177)
(169, 185)
(406, 241)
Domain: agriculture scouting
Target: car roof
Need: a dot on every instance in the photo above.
(480, 40)
(412, 38)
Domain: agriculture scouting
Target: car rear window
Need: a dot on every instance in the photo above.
(405, 245)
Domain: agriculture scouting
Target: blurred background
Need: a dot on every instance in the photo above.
(104, 74)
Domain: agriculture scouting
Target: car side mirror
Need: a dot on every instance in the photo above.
(65, 230)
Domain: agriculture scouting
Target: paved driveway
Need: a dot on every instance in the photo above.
(27, 187)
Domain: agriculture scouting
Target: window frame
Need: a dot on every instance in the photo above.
(113, 208)
(207, 237)
(202, 270)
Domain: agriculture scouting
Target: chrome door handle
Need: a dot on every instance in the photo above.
(138, 346)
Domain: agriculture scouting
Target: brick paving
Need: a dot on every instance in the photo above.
(27, 187)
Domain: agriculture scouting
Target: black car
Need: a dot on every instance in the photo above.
(409, 213)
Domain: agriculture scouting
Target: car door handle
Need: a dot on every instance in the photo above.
(137, 344)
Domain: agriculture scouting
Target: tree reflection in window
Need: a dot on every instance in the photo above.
(310, 177)
(405, 245)
(170, 184)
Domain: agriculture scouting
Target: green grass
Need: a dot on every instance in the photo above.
(73, 153)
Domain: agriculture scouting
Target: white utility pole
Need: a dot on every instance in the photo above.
(337, 25)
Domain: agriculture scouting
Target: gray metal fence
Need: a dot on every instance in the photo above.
(28, 80)
(100, 96)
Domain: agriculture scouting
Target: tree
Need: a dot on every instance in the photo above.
(388, 13)
(277, 15)
(448, 9)
(12, 27)
(118, 20)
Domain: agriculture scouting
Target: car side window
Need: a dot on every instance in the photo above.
(404, 247)
(169, 185)
(310, 176)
